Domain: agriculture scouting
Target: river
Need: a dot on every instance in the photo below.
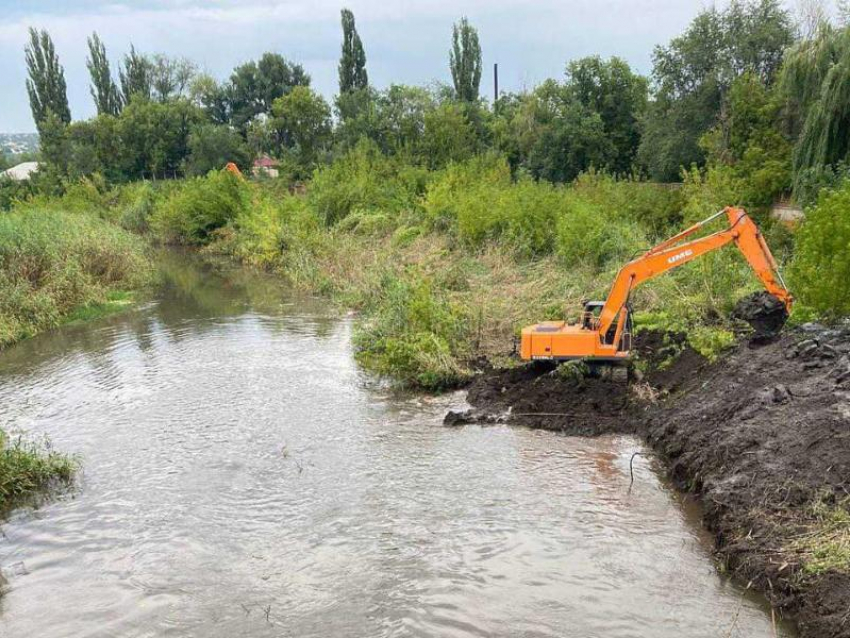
(241, 477)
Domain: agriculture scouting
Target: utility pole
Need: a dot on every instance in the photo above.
(495, 85)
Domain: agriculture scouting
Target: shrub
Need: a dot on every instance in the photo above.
(415, 334)
(820, 271)
(587, 236)
(451, 187)
(52, 262)
(199, 207)
(363, 178)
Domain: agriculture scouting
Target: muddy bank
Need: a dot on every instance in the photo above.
(762, 436)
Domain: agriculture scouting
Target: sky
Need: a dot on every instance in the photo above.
(406, 42)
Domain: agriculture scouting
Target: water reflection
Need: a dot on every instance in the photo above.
(243, 478)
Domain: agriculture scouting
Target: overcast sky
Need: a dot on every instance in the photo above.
(406, 42)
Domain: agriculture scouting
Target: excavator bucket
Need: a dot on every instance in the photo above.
(764, 312)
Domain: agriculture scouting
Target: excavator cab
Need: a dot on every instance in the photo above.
(590, 316)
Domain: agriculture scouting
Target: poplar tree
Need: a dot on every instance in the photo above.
(103, 89)
(352, 62)
(136, 76)
(46, 80)
(465, 61)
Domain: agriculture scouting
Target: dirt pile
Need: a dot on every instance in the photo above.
(762, 435)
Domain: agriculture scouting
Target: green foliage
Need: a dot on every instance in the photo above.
(212, 146)
(816, 85)
(52, 262)
(465, 61)
(555, 136)
(449, 135)
(103, 89)
(695, 70)
(619, 96)
(27, 467)
(302, 123)
(136, 77)
(254, 86)
(45, 79)
(820, 271)
(352, 62)
(414, 334)
(587, 235)
(363, 179)
(748, 139)
(710, 341)
(200, 206)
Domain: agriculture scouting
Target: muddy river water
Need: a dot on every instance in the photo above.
(243, 478)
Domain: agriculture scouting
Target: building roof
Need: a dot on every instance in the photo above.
(21, 171)
(265, 162)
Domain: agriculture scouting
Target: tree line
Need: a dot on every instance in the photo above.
(743, 89)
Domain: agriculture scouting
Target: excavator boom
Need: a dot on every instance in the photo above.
(607, 336)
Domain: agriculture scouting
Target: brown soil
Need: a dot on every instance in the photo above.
(761, 436)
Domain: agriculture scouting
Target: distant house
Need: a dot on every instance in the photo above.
(265, 166)
(20, 172)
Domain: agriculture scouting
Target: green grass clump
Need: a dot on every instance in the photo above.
(415, 335)
(826, 546)
(26, 468)
(53, 263)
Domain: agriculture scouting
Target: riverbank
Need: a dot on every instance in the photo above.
(761, 436)
(58, 266)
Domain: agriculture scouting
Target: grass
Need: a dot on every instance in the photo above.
(116, 301)
(444, 265)
(826, 546)
(27, 467)
(57, 266)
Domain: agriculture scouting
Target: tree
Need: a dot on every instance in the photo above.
(465, 61)
(46, 79)
(302, 120)
(558, 137)
(212, 97)
(693, 74)
(212, 146)
(104, 92)
(449, 136)
(170, 77)
(352, 62)
(135, 77)
(255, 86)
(618, 96)
(816, 86)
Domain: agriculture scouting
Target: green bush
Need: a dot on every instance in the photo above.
(820, 270)
(363, 178)
(414, 334)
(199, 207)
(52, 262)
(587, 236)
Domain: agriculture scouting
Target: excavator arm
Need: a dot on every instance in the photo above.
(676, 252)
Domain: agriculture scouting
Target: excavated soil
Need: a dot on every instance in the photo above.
(762, 435)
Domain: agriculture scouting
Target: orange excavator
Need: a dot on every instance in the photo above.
(604, 333)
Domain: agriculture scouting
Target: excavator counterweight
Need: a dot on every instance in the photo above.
(604, 333)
